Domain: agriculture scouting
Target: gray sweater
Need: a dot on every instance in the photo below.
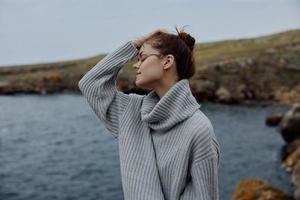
(167, 146)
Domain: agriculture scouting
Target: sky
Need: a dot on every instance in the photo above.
(35, 31)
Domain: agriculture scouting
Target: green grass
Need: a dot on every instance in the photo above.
(269, 49)
(244, 48)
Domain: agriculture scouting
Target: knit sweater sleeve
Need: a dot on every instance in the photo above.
(99, 87)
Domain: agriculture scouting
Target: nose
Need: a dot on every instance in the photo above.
(136, 65)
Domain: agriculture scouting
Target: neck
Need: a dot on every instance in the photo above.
(164, 86)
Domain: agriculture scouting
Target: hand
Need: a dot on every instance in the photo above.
(139, 41)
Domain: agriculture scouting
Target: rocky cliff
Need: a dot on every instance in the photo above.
(263, 69)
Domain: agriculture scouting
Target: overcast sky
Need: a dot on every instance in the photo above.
(35, 31)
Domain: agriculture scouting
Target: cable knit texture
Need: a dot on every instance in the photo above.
(168, 148)
(159, 113)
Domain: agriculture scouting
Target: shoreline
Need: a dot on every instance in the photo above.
(263, 70)
(72, 92)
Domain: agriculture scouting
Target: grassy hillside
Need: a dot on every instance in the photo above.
(257, 69)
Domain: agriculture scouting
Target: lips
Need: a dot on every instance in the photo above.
(137, 73)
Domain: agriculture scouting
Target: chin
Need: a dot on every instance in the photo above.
(142, 86)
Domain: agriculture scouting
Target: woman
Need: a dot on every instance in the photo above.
(167, 146)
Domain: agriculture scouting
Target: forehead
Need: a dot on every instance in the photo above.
(146, 48)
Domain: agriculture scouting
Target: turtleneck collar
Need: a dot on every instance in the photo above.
(177, 104)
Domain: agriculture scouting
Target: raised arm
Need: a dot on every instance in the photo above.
(99, 86)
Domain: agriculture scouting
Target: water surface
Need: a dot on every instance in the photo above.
(54, 147)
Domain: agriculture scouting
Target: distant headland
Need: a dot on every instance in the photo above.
(261, 70)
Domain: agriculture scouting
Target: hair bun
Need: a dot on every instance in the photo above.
(187, 38)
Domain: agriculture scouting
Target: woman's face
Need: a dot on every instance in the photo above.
(149, 68)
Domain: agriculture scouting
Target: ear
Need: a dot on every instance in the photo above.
(168, 61)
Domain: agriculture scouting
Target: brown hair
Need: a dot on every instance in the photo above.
(180, 45)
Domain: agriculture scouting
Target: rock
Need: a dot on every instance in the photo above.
(291, 161)
(3, 87)
(273, 120)
(43, 91)
(289, 148)
(223, 95)
(3, 84)
(290, 124)
(296, 181)
(241, 92)
(290, 131)
(271, 50)
(287, 95)
(203, 89)
(249, 189)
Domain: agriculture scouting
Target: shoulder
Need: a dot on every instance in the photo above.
(204, 141)
(200, 124)
(134, 101)
(133, 97)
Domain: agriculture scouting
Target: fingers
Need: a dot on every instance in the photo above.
(139, 41)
